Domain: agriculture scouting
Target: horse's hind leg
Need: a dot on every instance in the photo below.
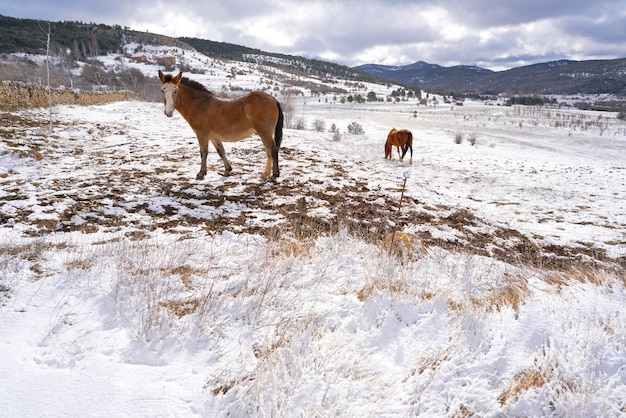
(272, 157)
(204, 152)
(222, 153)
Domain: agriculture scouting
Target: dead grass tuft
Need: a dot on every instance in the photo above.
(521, 383)
(223, 388)
(512, 293)
(454, 305)
(84, 264)
(433, 363)
(598, 276)
(181, 308)
(186, 273)
(292, 247)
(405, 246)
(555, 279)
(465, 412)
(366, 292)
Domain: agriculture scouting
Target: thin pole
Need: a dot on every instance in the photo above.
(395, 224)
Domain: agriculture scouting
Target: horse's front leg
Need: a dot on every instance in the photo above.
(204, 152)
(222, 153)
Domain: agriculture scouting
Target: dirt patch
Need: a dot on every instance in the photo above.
(88, 188)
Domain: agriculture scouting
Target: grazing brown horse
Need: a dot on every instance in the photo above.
(220, 120)
(399, 138)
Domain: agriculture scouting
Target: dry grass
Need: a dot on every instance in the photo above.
(522, 382)
(185, 273)
(32, 252)
(291, 247)
(433, 363)
(592, 274)
(366, 292)
(405, 246)
(512, 293)
(181, 308)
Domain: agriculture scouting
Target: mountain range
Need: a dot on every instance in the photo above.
(556, 77)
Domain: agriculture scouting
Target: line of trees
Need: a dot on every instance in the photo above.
(83, 40)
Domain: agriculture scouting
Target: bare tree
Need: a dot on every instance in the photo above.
(95, 73)
(48, 80)
(287, 103)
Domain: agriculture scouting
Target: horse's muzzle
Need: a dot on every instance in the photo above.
(168, 113)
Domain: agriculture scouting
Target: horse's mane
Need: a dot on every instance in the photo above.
(194, 85)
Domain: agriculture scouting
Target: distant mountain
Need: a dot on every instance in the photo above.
(422, 72)
(556, 77)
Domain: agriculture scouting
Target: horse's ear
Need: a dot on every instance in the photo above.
(176, 80)
(161, 76)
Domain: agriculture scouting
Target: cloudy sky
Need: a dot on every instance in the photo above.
(494, 34)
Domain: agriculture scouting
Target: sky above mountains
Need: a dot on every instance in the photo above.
(495, 35)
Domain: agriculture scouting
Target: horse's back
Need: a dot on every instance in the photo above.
(254, 111)
(259, 106)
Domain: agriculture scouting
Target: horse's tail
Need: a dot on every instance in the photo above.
(278, 132)
(407, 145)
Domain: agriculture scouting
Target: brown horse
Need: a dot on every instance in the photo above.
(220, 120)
(399, 138)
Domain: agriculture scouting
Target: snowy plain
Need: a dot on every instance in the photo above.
(128, 288)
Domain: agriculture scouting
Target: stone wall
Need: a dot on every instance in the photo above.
(14, 95)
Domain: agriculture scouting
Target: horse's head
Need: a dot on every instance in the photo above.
(170, 91)
(388, 142)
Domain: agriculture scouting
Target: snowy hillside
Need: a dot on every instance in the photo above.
(128, 288)
(229, 77)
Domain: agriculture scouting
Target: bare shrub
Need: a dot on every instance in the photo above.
(319, 125)
(458, 137)
(355, 128)
(299, 124)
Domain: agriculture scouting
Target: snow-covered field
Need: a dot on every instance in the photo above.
(128, 288)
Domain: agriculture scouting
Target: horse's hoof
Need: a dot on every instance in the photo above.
(200, 176)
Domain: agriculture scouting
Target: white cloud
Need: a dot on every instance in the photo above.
(476, 32)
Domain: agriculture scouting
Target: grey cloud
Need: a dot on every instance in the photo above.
(352, 30)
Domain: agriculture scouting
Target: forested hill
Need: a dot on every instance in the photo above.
(30, 36)
(315, 67)
(86, 40)
(83, 40)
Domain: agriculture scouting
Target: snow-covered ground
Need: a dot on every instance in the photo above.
(128, 288)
